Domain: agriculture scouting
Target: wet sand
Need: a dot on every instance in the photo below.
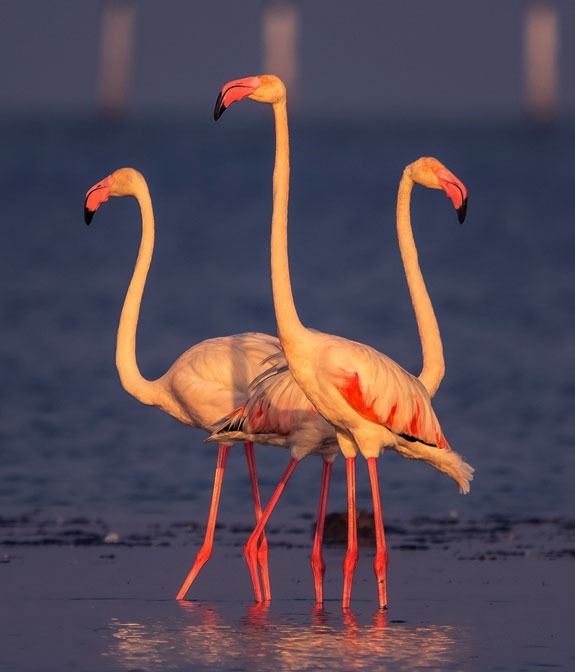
(494, 594)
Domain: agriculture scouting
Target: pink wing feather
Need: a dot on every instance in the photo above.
(392, 398)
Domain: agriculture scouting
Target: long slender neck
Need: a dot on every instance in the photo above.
(289, 326)
(132, 380)
(433, 363)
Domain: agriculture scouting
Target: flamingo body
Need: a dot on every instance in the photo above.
(207, 381)
(372, 403)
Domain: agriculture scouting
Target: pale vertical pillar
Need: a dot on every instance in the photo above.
(280, 43)
(116, 56)
(541, 46)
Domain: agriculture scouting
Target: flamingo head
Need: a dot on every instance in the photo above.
(263, 89)
(431, 173)
(121, 182)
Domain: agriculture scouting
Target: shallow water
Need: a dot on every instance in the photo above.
(85, 609)
(103, 500)
(75, 444)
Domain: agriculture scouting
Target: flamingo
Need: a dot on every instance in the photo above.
(372, 402)
(204, 383)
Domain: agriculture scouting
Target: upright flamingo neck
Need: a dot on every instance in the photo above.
(433, 363)
(130, 376)
(289, 326)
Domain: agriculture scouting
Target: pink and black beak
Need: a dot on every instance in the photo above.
(238, 89)
(220, 107)
(88, 214)
(95, 196)
(456, 191)
(462, 209)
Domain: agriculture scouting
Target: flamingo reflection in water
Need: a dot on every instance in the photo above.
(202, 637)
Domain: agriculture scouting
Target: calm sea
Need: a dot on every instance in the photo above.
(73, 443)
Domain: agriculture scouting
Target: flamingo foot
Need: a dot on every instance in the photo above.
(203, 555)
(380, 569)
(262, 557)
(349, 565)
(318, 571)
(251, 556)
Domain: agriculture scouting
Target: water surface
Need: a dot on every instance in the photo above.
(74, 443)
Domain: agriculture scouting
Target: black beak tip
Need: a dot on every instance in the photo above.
(462, 211)
(88, 214)
(220, 108)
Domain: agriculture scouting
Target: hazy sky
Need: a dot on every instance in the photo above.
(440, 57)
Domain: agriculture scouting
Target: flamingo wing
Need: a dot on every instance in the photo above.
(213, 377)
(276, 406)
(381, 391)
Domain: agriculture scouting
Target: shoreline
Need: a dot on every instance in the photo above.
(480, 538)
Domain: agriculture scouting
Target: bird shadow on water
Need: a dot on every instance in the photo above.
(208, 636)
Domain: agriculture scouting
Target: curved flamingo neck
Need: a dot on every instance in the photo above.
(289, 326)
(130, 376)
(433, 363)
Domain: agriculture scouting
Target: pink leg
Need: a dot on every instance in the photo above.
(317, 563)
(263, 542)
(380, 561)
(250, 548)
(205, 551)
(352, 554)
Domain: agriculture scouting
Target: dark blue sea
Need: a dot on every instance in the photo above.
(74, 444)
